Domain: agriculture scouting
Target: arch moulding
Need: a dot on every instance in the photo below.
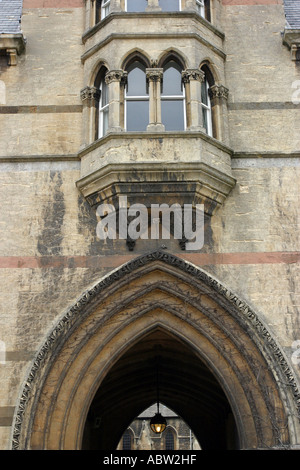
(158, 290)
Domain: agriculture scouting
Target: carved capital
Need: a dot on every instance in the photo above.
(218, 91)
(192, 74)
(154, 74)
(116, 76)
(90, 94)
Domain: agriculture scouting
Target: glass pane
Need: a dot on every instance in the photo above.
(126, 441)
(172, 84)
(205, 118)
(137, 115)
(104, 94)
(105, 120)
(136, 80)
(136, 5)
(204, 93)
(172, 115)
(169, 5)
(169, 441)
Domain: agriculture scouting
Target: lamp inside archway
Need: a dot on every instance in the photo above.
(158, 423)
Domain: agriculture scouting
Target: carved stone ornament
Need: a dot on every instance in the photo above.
(154, 75)
(75, 314)
(192, 74)
(90, 93)
(291, 39)
(115, 76)
(218, 91)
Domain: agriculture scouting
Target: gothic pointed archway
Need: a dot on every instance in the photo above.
(215, 349)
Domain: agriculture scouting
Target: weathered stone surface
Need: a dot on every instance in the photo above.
(50, 254)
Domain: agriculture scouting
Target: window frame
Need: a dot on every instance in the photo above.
(135, 98)
(169, 432)
(103, 108)
(105, 5)
(204, 9)
(207, 108)
(181, 97)
(127, 434)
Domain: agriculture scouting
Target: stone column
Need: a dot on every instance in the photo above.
(90, 99)
(89, 16)
(219, 96)
(154, 77)
(192, 78)
(115, 79)
(115, 5)
(190, 5)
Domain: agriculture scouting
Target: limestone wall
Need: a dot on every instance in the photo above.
(49, 252)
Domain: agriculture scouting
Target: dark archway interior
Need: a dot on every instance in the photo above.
(186, 385)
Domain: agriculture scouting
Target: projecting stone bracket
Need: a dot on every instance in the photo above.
(12, 45)
(291, 39)
(150, 170)
(157, 183)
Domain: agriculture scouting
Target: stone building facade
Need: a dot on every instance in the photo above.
(176, 436)
(118, 107)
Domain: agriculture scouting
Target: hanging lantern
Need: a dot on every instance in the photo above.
(158, 423)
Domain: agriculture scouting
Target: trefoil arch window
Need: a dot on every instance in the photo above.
(136, 98)
(170, 5)
(136, 5)
(173, 97)
(203, 7)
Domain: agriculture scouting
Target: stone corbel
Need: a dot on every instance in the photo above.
(90, 96)
(291, 39)
(13, 45)
(218, 92)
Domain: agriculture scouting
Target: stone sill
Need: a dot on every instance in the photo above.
(154, 14)
(13, 45)
(185, 167)
(155, 135)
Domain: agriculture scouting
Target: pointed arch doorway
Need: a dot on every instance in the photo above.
(222, 370)
(185, 384)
